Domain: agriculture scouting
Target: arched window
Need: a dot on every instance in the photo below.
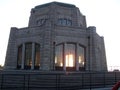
(64, 22)
(59, 57)
(28, 56)
(37, 56)
(41, 21)
(69, 56)
(19, 61)
(81, 57)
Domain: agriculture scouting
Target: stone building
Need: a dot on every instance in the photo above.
(57, 38)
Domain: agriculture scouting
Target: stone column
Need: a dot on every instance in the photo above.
(77, 57)
(64, 57)
(23, 56)
(53, 63)
(40, 58)
(33, 56)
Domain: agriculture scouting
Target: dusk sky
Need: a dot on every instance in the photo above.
(104, 14)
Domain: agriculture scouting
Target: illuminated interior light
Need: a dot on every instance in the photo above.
(83, 63)
(61, 64)
(69, 60)
(80, 59)
(55, 59)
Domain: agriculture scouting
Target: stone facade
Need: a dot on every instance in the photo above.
(52, 24)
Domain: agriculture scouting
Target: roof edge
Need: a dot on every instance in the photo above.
(57, 3)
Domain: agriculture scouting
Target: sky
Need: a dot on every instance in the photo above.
(104, 14)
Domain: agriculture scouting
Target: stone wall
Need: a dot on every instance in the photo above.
(47, 32)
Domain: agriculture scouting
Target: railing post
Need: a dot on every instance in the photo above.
(82, 80)
(90, 81)
(115, 77)
(1, 86)
(57, 81)
(104, 80)
(24, 82)
(28, 86)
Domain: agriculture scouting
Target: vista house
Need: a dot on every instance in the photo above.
(56, 39)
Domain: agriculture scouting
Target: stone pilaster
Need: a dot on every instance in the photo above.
(64, 57)
(33, 55)
(77, 57)
(23, 56)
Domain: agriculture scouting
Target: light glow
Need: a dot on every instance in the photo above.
(55, 60)
(83, 63)
(69, 60)
(61, 64)
(80, 59)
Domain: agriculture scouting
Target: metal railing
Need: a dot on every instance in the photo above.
(58, 81)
